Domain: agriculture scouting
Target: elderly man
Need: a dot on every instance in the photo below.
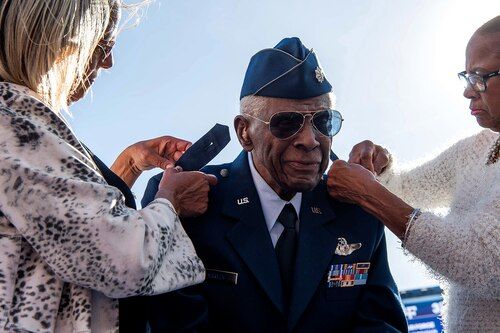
(281, 255)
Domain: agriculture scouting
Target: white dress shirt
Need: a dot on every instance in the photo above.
(271, 203)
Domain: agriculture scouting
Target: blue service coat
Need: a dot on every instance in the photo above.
(242, 291)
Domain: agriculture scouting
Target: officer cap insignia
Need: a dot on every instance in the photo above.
(320, 76)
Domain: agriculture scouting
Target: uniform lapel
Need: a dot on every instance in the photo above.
(316, 247)
(250, 237)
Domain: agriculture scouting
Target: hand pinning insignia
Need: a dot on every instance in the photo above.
(345, 249)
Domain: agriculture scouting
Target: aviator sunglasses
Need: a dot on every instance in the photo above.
(284, 125)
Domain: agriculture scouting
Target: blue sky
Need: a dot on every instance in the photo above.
(392, 65)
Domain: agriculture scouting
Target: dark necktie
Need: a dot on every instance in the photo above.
(286, 250)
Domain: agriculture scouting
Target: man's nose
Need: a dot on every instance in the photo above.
(306, 137)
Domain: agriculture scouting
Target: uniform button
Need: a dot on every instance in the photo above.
(224, 173)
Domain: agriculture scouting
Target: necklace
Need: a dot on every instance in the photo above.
(494, 152)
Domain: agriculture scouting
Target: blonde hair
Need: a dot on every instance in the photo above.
(46, 45)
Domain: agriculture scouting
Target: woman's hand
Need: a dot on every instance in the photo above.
(160, 152)
(187, 191)
(349, 182)
(373, 157)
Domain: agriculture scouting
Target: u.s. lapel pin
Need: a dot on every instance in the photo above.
(345, 249)
(316, 210)
(243, 201)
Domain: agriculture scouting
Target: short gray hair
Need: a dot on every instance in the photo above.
(253, 105)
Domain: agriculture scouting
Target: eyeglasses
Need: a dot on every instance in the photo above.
(476, 81)
(106, 48)
(284, 125)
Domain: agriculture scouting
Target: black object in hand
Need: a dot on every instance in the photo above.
(205, 149)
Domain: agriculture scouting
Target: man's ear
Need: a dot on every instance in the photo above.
(242, 128)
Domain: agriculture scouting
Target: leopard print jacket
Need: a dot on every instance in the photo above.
(68, 244)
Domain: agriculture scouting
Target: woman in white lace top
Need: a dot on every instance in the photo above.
(462, 248)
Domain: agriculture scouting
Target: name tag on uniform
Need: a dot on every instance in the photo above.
(222, 276)
(348, 275)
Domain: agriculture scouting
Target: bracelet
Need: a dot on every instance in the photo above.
(411, 219)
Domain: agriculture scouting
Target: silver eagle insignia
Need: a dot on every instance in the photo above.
(320, 76)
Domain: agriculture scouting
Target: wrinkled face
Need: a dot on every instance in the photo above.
(102, 58)
(483, 57)
(295, 164)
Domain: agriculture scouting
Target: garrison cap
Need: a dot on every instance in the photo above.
(289, 70)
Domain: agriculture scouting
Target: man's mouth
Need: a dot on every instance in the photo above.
(304, 165)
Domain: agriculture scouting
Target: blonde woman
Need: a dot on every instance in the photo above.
(69, 245)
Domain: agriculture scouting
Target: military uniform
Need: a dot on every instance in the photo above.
(242, 290)
(322, 270)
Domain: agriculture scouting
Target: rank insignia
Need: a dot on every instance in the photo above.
(345, 249)
(320, 76)
(348, 275)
